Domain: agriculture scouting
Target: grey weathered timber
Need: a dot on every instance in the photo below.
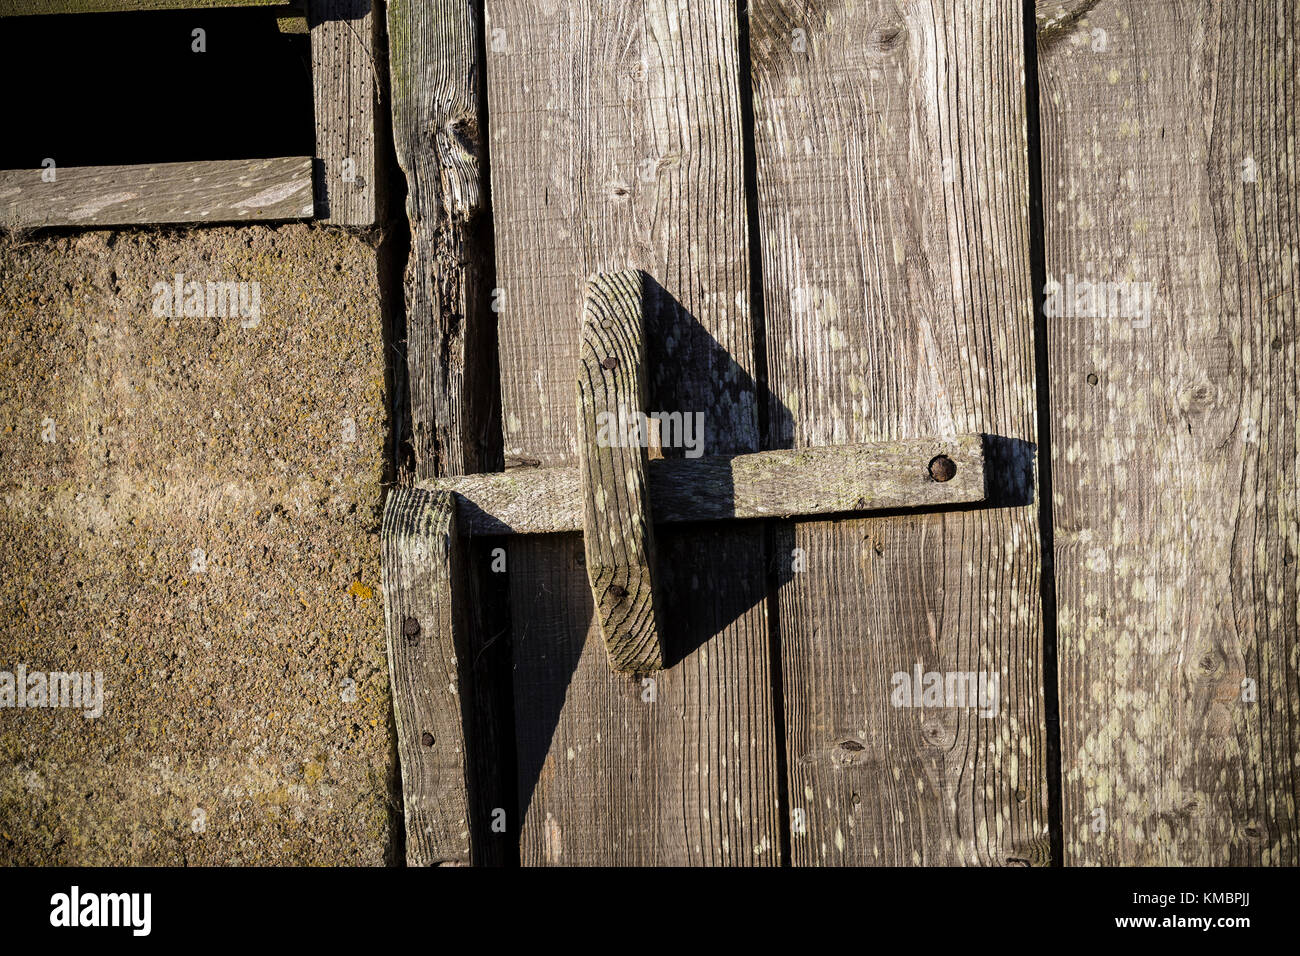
(433, 59)
(618, 535)
(344, 81)
(837, 479)
(243, 190)
(18, 8)
(425, 592)
(616, 144)
(1168, 146)
(893, 215)
(435, 68)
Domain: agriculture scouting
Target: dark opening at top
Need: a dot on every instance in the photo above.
(128, 88)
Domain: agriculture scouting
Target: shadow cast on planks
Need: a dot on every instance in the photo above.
(687, 561)
(687, 370)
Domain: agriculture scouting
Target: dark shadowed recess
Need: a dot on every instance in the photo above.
(128, 88)
(724, 560)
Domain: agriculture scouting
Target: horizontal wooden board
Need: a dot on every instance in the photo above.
(874, 476)
(238, 190)
(21, 8)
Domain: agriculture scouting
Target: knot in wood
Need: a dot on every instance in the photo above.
(411, 628)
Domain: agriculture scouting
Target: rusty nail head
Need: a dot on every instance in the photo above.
(618, 591)
(410, 627)
(609, 361)
(942, 468)
(426, 738)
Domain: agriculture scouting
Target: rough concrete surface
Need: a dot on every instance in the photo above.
(201, 525)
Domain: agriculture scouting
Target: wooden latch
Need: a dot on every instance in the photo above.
(616, 526)
(614, 496)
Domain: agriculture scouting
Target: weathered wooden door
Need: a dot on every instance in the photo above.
(830, 204)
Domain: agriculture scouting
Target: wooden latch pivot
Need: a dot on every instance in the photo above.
(607, 497)
(616, 527)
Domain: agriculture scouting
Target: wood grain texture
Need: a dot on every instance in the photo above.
(892, 196)
(836, 479)
(18, 8)
(616, 144)
(244, 190)
(1169, 157)
(434, 62)
(344, 81)
(618, 534)
(435, 69)
(424, 582)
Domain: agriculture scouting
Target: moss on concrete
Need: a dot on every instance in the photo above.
(247, 716)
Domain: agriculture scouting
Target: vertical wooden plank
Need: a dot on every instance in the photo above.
(616, 139)
(435, 70)
(892, 196)
(344, 78)
(424, 581)
(1169, 160)
(617, 531)
(434, 63)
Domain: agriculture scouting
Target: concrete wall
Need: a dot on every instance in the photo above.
(246, 715)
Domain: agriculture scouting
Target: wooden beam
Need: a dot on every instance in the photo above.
(618, 535)
(344, 82)
(450, 327)
(243, 190)
(20, 8)
(425, 594)
(827, 480)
